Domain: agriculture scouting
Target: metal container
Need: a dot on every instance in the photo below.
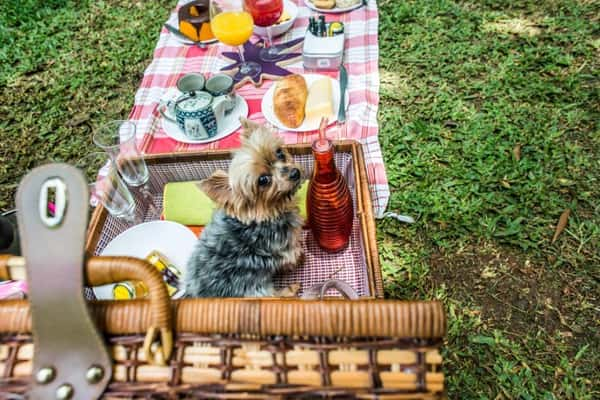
(323, 52)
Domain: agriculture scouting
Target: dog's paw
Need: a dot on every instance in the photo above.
(289, 291)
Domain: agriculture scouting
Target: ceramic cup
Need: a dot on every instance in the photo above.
(198, 115)
(191, 83)
(222, 85)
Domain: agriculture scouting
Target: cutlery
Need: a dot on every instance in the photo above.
(180, 35)
(343, 84)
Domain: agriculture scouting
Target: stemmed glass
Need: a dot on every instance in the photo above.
(107, 187)
(266, 13)
(117, 138)
(233, 26)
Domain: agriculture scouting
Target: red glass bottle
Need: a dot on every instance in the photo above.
(329, 202)
(264, 12)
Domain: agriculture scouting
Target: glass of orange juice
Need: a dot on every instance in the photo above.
(233, 26)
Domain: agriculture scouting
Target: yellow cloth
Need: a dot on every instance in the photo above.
(186, 203)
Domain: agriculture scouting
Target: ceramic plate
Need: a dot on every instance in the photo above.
(230, 124)
(334, 10)
(173, 240)
(311, 125)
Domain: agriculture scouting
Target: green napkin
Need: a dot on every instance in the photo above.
(186, 203)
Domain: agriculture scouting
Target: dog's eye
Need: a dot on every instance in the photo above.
(264, 180)
(280, 154)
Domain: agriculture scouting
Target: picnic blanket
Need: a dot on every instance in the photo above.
(173, 58)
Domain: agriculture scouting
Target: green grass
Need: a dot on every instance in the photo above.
(66, 68)
(461, 89)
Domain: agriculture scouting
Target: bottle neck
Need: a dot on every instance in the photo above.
(325, 170)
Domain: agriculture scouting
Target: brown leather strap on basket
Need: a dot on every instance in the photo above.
(70, 357)
(105, 270)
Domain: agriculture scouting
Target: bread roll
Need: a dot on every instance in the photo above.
(289, 100)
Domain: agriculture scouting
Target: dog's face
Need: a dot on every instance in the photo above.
(262, 178)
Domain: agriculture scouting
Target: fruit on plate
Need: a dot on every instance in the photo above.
(326, 4)
(289, 100)
(319, 103)
(194, 21)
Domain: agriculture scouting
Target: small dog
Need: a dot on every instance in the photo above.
(256, 230)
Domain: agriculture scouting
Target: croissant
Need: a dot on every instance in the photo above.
(289, 100)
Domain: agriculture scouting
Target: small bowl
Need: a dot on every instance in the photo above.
(280, 29)
(191, 82)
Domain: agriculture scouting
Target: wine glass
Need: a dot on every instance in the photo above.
(118, 139)
(107, 187)
(233, 26)
(266, 13)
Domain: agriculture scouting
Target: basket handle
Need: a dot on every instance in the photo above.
(318, 291)
(105, 270)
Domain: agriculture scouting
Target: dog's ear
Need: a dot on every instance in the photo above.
(217, 187)
(248, 127)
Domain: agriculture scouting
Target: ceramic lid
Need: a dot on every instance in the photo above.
(193, 103)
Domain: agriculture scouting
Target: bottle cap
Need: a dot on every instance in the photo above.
(322, 144)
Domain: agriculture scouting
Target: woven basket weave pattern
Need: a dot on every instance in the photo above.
(348, 265)
(204, 364)
(321, 348)
(249, 348)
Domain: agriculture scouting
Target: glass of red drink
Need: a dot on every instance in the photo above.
(266, 13)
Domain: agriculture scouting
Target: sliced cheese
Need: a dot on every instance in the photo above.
(320, 99)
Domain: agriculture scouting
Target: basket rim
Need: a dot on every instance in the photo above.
(364, 203)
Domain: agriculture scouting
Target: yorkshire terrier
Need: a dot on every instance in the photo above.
(256, 230)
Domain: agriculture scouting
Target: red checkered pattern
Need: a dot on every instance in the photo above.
(172, 59)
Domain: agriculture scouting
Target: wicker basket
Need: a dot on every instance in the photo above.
(241, 348)
(358, 264)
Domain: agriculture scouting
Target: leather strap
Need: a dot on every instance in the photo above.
(69, 352)
(318, 291)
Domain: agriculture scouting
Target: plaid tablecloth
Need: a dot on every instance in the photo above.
(172, 59)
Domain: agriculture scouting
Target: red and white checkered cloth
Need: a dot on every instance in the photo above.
(172, 59)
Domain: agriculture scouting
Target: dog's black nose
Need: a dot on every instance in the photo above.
(295, 174)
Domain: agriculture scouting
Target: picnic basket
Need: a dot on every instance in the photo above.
(157, 348)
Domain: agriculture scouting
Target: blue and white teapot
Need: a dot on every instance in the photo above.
(198, 114)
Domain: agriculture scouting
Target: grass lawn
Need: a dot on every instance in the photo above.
(489, 127)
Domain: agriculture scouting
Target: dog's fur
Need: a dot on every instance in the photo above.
(256, 230)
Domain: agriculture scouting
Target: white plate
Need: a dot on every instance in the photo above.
(230, 123)
(280, 29)
(307, 125)
(173, 240)
(334, 10)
